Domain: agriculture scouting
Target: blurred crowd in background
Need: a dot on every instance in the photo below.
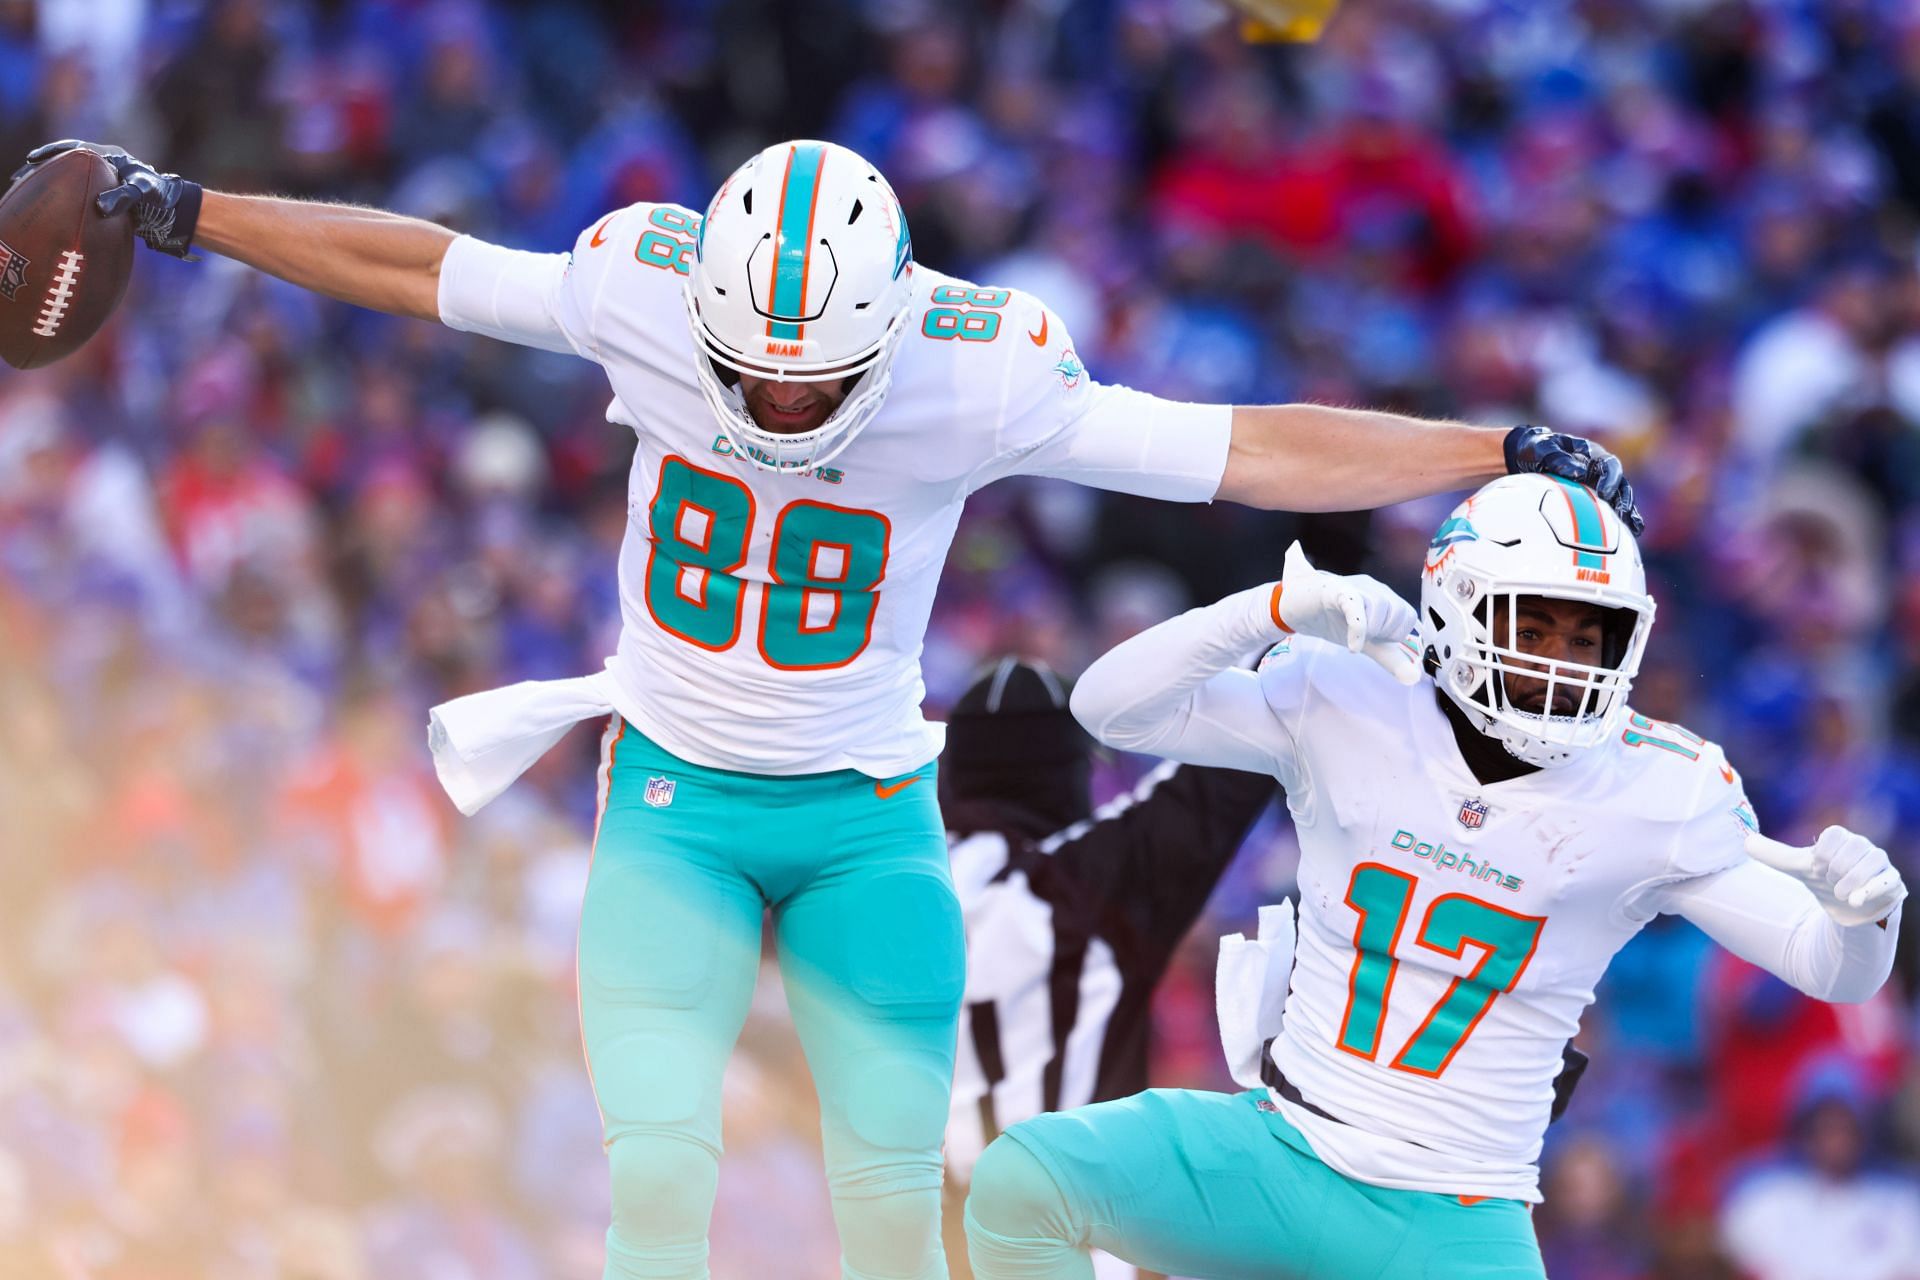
(270, 1011)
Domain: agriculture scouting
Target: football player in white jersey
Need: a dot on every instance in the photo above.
(810, 410)
(1475, 847)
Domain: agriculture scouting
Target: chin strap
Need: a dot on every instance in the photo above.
(1487, 756)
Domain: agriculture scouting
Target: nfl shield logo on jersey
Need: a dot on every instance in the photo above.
(1473, 814)
(659, 792)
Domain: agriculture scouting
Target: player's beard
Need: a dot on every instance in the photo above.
(791, 408)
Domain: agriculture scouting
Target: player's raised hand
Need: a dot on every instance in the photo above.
(1852, 876)
(1353, 610)
(165, 206)
(1575, 458)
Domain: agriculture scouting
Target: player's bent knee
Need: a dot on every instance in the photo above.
(1014, 1197)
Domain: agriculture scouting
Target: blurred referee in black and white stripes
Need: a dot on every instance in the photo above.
(1072, 915)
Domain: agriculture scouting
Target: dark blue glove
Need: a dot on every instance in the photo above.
(1538, 450)
(165, 206)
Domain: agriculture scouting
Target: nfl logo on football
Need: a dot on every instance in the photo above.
(659, 792)
(13, 272)
(1473, 814)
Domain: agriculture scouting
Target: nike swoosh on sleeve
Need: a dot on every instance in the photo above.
(1040, 339)
(599, 232)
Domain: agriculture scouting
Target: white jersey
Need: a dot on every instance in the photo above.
(1451, 932)
(772, 622)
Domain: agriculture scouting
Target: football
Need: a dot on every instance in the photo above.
(63, 267)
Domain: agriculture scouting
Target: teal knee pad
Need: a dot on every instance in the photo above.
(1015, 1198)
(900, 1107)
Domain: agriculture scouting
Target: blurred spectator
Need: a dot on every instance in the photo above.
(442, 1146)
(1807, 363)
(1825, 1211)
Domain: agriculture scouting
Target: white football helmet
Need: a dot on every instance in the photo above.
(801, 273)
(1533, 535)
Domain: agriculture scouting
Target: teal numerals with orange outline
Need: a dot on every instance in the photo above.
(822, 550)
(1381, 896)
(699, 521)
(967, 314)
(1639, 733)
(825, 563)
(670, 248)
(1507, 940)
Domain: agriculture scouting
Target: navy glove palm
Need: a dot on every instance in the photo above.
(165, 206)
(1547, 453)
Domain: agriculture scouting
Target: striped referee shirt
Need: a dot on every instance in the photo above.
(1067, 938)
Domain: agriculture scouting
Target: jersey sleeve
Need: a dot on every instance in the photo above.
(1770, 919)
(502, 293)
(1181, 689)
(1057, 421)
(559, 301)
(1708, 832)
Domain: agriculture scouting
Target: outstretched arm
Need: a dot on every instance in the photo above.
(396, 264)
(1768, 918)
(383, 261)
(367, 257)
(1309, 457)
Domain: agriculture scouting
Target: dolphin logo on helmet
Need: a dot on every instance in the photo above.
(802, 273)
(1533, 535)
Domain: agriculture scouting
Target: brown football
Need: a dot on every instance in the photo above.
(63, 267)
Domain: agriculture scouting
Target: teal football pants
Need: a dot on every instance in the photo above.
(1220, 1186)
(686, 862)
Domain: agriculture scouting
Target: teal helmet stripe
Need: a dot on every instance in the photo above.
(1589, 526)
(799, 191)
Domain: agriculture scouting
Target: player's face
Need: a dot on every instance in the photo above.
(1558, 630)
(789, 408)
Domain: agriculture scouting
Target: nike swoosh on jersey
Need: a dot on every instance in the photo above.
(886, 791)
(599, 236)
(1040, 339)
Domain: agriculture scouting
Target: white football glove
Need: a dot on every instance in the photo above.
(1355, 611)
(1851, 875)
